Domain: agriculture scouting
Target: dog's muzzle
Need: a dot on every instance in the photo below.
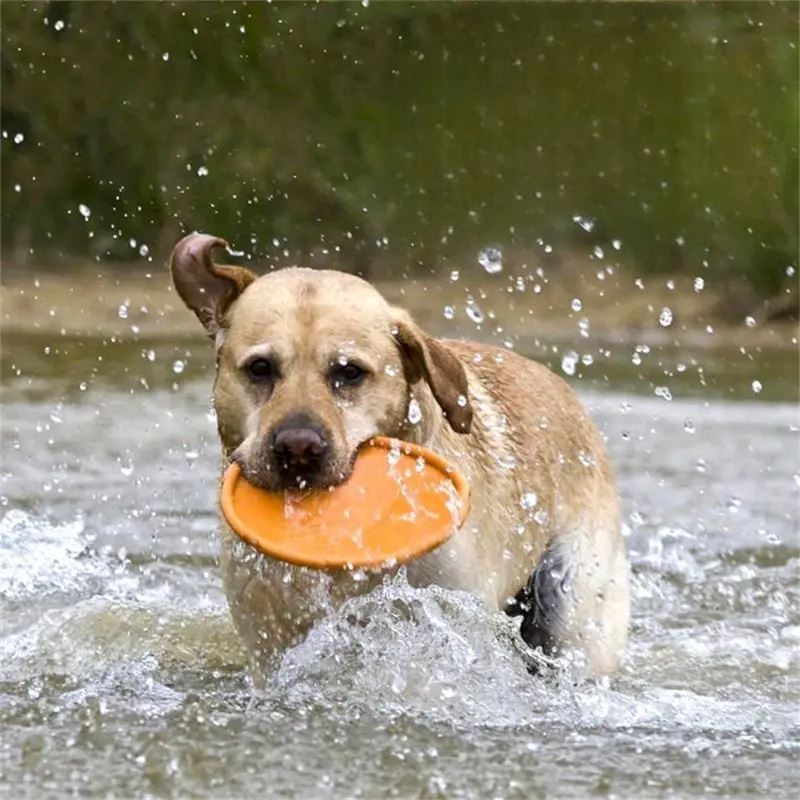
(298, 450)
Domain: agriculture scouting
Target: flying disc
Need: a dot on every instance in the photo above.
(400, 502)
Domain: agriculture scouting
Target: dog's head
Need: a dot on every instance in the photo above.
(310, 364)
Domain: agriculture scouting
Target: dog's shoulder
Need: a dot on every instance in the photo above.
(504, 373)
(538, 409)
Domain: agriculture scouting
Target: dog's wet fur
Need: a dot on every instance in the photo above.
(312, 363)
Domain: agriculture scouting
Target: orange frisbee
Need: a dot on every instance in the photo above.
(400, 502)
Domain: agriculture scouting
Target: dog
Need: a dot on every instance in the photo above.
(313, 363)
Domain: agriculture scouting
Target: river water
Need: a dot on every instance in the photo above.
(120, 673)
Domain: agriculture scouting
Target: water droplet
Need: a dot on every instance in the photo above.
(19, 138)
(616, 244)
(165, 56)
(491, 259)
(663, 392)
(734, 504)
(688, 426)
(757, 387)
(143, 250)
(576, 304)
(474, 312)
(390, 371)
(462, 401)
(597, 252)
(750, 322)
(414, 412)
(454, 276)
(528, 500)
(122, 311)
(568, 362)
(126, 469)
(665, 317)
(178, 366)
(449, 312)
(202, 172)
(84, 210)
(507, 461)
(59, 25)
(699, 284)
(587, 223)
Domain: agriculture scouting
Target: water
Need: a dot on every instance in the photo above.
(120, 672)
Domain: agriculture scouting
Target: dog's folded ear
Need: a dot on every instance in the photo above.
(206, 288)
(432, 360)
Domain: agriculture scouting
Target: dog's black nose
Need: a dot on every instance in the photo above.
(299, 445)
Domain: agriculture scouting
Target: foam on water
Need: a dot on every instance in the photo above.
(100, 622)
(37, 558)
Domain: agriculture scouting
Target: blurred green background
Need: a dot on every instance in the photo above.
(399, 136)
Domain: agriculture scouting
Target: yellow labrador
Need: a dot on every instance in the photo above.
(312, 363)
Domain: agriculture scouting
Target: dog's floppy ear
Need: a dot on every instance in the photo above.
(207, 288)
(432, 360)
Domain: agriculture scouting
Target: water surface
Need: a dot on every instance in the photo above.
(120, 672)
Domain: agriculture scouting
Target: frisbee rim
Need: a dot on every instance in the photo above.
(233, 474)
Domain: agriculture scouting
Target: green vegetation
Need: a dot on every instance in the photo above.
(442, 127)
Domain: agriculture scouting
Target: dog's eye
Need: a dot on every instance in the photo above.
(259, 369)
(348, 374)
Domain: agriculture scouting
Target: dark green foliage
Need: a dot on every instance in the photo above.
(443, 127)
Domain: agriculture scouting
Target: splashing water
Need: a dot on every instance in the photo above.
(491, 259)
(116, 646)
(474, 311)
(569, 361)
(414, 412)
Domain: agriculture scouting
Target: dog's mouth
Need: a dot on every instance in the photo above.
(275, 477)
